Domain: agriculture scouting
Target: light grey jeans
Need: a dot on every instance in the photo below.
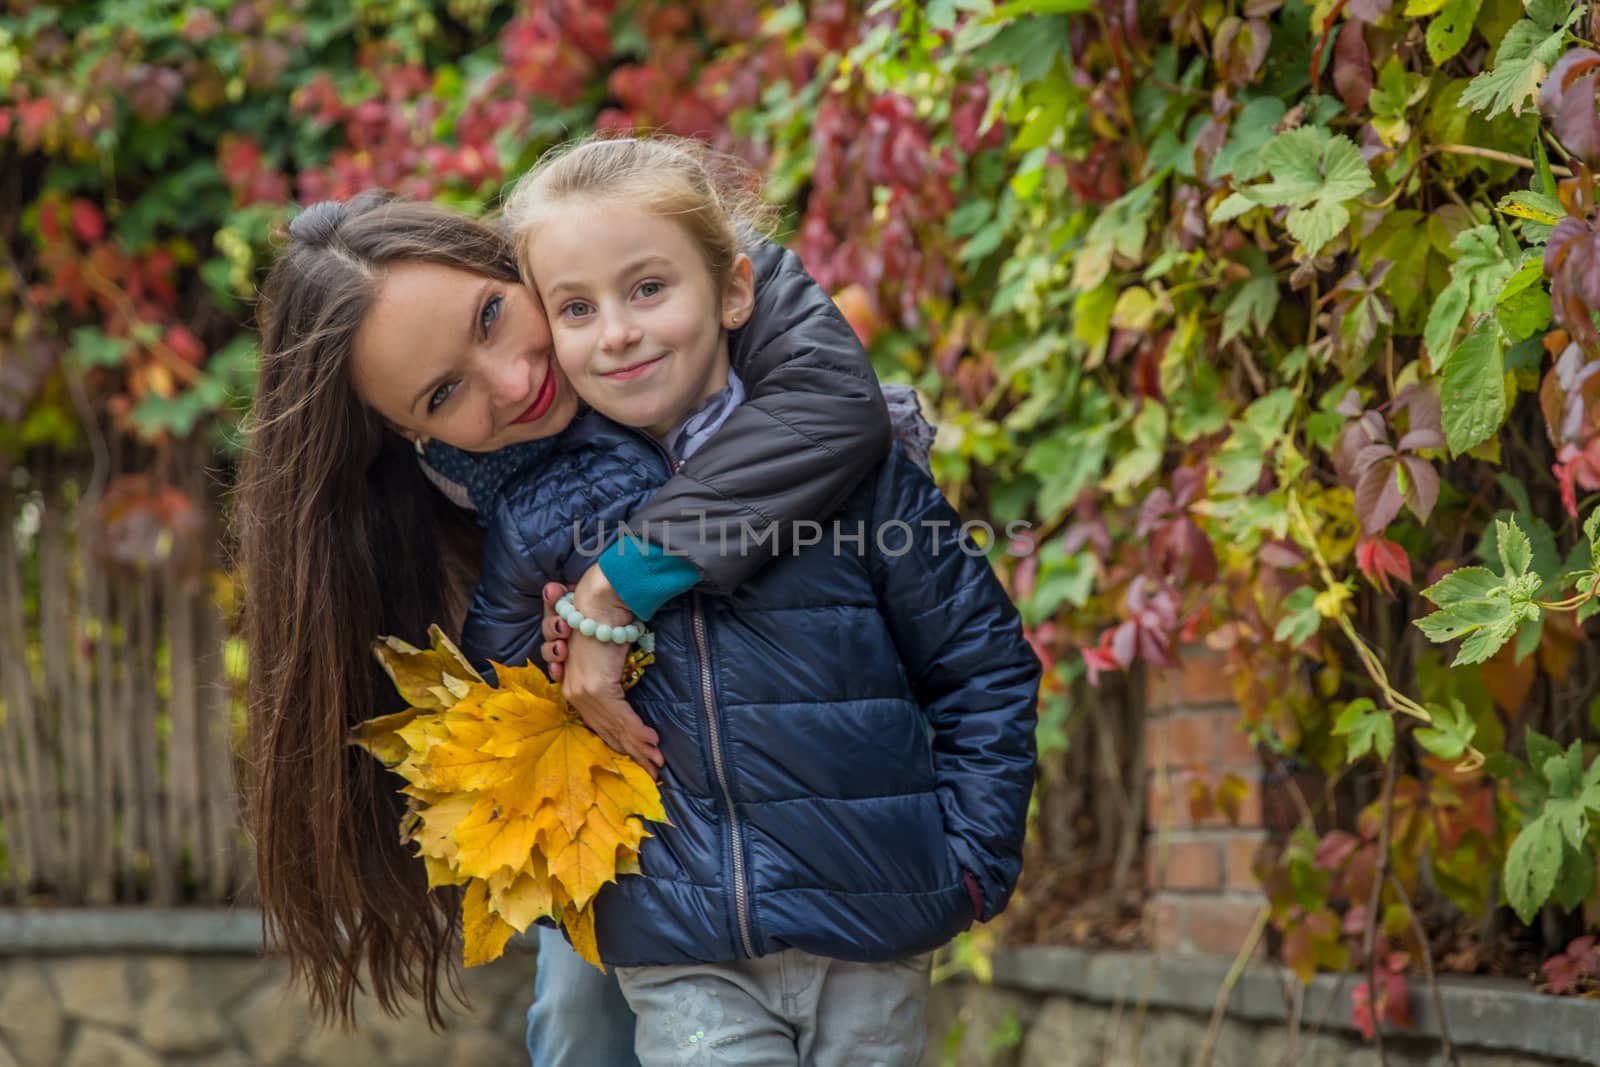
(784, 1010)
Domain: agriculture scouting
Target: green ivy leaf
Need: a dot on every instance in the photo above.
(1451, 733)
(1367, 730)
(1313, 174)
(1532, 867)
(1523, 58)
(1485, 608)
(1144, 458)
(1253, 303)
(1301, 619)
(1240, 158)
(1574, 792)
(1438, 336)
(1238, 463)
(1474, 388)
(1396, 92)
(1482, 266)
(1575, 880)
(1540, 748)
(92, 348)
(1449, 30)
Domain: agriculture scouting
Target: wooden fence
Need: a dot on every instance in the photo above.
(118, 720)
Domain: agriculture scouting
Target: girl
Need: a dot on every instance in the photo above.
(342, 537)
(848, 736)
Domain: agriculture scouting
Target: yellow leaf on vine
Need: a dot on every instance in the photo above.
(1331, 601)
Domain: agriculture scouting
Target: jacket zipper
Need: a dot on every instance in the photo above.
(741, 893)
(741, 897)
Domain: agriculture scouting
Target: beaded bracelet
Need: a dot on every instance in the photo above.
(623, 635)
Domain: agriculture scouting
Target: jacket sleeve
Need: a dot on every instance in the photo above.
(813, 427)
(536, 537)
(975, 675)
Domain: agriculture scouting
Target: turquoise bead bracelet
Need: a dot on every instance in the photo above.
(622, 635)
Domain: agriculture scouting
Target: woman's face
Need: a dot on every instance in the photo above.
(452, 356)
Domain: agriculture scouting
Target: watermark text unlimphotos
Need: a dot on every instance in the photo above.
(893, 538)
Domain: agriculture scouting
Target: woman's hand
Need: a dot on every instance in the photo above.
(590, 671)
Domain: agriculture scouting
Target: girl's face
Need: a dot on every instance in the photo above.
(640, 325)
(454, 356)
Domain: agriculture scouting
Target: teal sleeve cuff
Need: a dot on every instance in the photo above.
(644, 576)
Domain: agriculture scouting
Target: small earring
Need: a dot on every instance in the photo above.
(420, 444)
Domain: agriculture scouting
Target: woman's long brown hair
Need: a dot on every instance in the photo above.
(342, 538)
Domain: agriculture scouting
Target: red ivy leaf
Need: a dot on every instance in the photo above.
(87, 222)
(1381, 559)
(1368, 10)
(1241, 48)
(1352, 66)
(1334, 850)
(1572, 260)
(1422, 485)
(1378, 497)
(1568, 101)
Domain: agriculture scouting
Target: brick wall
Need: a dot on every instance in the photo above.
(1203, 897)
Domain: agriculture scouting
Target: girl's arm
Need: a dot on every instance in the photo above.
(975, 676)
(813, 426)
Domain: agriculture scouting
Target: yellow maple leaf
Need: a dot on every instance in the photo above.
(483, 933)
(522, 900)
(423, 675)
(381, 737)
(490, 838)
(579, 923)
(509, 793)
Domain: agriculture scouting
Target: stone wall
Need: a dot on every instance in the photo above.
(1061, 1007)
(183, 989)
(978, 1027)
(156, 1010)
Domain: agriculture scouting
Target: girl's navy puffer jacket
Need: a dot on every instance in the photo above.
(845, 734)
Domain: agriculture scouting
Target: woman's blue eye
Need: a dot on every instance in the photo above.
(649, 289)
(577, 308)
(440, 395)
(490, 313)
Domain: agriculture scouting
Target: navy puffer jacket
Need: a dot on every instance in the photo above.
(844, 734)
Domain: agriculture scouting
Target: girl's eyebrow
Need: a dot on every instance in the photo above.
(472, 334)
(649, 259)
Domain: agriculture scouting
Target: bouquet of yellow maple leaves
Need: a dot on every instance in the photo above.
(509, 794)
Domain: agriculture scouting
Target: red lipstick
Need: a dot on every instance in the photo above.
(541, 402)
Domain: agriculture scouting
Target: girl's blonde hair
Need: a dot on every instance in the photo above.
(714, 196)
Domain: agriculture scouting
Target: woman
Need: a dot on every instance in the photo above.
(389, 327)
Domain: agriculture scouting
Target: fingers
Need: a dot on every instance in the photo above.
(553, 591)
(648, 758)
(554, 652)
(555, 628)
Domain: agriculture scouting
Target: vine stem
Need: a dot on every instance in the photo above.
(1375, 670)
(1375, 901)
(1447, 1048)
(1494, 154)
(1219, 1008)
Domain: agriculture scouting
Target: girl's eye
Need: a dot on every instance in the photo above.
(440, 395)
(490, 313)
(649, 289)
(577, 309)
